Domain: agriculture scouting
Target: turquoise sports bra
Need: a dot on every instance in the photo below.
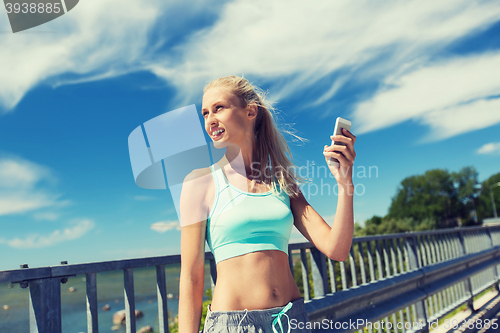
(241, 222)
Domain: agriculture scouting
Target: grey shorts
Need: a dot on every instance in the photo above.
(293, 316)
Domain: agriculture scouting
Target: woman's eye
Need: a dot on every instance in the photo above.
(204, 114)
(218, 107)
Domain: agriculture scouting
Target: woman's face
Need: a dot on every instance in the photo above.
(225, 120)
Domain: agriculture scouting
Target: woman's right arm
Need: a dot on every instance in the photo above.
(193, 224)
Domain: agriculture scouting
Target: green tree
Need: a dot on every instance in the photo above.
(466, 181)
(358, 230)
(387, 225)
(436, 199)
(432, 195)
(483, 204)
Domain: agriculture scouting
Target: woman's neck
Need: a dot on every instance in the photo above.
(240, 160)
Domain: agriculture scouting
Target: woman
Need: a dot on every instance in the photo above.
(245, 205)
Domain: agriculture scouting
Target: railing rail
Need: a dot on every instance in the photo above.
(418, 276)
(45, 294)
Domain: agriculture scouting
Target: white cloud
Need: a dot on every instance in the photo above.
(461, 119)
(29, 58)
(452, 97)
(79, 229)
(19, 190)
(163, 226)
(492, 148)
(17, 203)
(293, 44)
(289, 45)
(96, 40)
(21, 173)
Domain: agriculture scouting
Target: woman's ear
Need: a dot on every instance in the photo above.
(253, 111)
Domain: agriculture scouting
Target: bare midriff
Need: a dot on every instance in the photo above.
(254, 281)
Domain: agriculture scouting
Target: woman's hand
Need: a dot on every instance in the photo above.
(345, 155)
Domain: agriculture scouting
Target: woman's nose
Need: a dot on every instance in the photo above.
(210, 122)
(211, 119)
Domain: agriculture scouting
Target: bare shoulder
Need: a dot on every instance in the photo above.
(198, 182)
(197, 193)
(198, 175)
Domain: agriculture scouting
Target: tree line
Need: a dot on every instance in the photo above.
(437, 199)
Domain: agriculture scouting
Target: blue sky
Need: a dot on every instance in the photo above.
(420, 81)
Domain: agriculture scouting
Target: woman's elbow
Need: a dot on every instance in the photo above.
(191, 279)
(338, 257)
(339, 254)
(193, 275)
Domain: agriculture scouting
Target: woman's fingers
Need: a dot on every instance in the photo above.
(347, 147)
(341, 158)
(344, 160)
(347, 140)
(344, 139)
(349, 134)
(339, 150)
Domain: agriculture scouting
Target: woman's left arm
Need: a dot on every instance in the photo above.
(335, 242)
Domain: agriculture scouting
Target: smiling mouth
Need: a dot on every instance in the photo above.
(216, 134)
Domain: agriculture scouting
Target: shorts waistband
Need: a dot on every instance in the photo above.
(247, 317)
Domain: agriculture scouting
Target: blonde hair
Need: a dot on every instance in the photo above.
(271, 150)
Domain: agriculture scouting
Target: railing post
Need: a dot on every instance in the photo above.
(467, 283)
(495, 269)
(362, 262)
(400, 255)
(352, 261)
(370, 261)
(161, 291)
(305, 274)
(379, 260)
(333, 276)
(45, 306)
(412, 248)
(387, 262)
(128, 277)
(393, 257)
(343, 277)
(319, 275)
(91, 290)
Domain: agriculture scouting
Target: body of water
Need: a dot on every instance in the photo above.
(109, 291)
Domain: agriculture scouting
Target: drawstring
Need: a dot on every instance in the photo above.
(246, 311)
(278, 318)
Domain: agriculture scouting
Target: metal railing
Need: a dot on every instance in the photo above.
(410, 277)
(403, 278)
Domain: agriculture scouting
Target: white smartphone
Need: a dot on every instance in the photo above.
(340, 123)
